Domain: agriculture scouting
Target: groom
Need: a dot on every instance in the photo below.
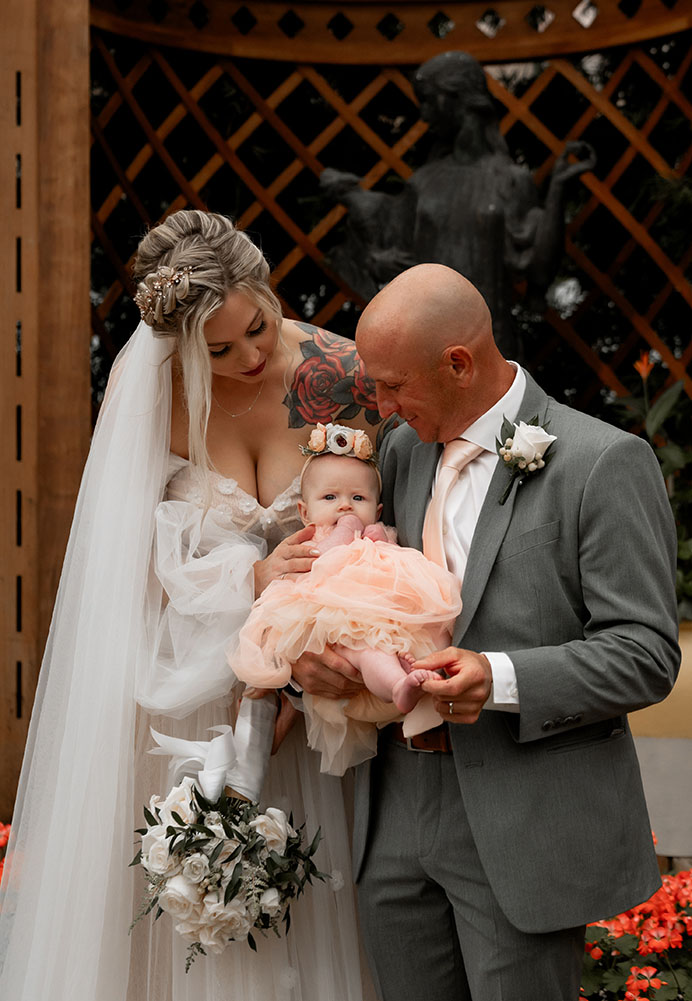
(479, 863)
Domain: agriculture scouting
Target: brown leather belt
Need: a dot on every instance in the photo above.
(430, 741)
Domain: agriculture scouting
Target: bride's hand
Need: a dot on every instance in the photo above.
(327, 674)
(285, 721)
(293, 555)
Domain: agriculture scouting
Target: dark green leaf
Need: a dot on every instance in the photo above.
(251, 942)
(150, 818)
(662, 408)
(137, 859)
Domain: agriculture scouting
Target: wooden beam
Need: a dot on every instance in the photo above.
(45, 405)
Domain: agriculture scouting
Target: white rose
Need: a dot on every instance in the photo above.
(237, 922)
(180, 898)
(339, 439)
(213, 938)
(190, 929)
(270, 902)
(156, 857)
(274, 828)
(530, 442)
(196, 867)
(178, 801)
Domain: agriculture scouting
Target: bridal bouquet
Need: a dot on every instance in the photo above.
(221, 869)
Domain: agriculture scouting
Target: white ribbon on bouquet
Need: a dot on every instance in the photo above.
(236, 758)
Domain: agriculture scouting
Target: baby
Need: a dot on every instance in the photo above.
(380, 605)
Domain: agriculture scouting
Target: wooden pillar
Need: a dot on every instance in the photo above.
(44, 334)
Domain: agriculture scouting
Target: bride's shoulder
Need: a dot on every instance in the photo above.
(327, 379)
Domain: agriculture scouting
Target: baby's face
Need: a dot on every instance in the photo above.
(334, 485)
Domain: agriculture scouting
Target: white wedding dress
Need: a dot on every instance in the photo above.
(150, 594)
(319, 959)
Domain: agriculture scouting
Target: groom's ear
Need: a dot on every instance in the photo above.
(458, 360)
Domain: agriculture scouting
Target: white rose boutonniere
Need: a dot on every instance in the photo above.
(523, 448)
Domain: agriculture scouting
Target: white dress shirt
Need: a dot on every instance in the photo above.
(461, 514)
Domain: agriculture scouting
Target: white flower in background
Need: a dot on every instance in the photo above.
(270, 902)
(213, 938)
(196, 867)
(180, 898)
(339, 439)
(274, 828)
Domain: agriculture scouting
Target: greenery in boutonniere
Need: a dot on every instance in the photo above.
(523, 448)
(667, 423)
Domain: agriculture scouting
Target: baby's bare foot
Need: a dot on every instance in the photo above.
(407, 660)
(406, 693)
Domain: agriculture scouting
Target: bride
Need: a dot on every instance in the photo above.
(187, 509)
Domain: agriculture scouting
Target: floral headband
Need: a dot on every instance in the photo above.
(336, 439)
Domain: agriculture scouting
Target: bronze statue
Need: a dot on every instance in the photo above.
(470, 206)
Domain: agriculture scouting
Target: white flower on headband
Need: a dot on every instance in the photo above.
(339, 440)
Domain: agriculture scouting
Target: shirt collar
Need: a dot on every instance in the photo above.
(485, 430)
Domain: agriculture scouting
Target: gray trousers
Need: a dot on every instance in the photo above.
(432, 927)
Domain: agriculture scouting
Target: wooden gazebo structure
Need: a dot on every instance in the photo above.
(188, 97)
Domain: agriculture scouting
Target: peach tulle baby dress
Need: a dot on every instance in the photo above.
(365, 594)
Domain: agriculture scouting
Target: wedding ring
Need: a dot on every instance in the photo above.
(451, 708)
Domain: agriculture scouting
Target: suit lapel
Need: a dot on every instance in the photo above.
(493, 520)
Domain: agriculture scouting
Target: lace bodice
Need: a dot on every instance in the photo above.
(243, 512)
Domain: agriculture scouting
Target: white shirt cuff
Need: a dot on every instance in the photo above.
(504, 694)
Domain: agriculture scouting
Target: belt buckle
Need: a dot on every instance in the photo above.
(418, 750)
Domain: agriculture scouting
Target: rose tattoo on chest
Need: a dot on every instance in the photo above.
(330, 382)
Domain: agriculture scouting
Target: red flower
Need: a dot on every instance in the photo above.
(644, 365)
(597, 953)
(313, 383)
(642, 978)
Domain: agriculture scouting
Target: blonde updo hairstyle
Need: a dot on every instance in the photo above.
(211, 258)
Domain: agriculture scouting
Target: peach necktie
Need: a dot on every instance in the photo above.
(456, 455)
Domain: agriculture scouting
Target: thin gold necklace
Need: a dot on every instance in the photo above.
(241, 412)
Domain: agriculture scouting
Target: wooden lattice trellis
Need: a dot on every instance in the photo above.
(227, 110)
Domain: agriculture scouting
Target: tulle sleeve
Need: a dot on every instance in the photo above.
(206, 572)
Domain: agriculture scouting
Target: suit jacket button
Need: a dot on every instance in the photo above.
(577, 717)
(548, 725)
(568, 719)
(559, 721)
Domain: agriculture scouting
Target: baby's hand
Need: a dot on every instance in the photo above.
(376, 533)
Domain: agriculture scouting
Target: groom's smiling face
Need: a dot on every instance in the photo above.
(424, 395)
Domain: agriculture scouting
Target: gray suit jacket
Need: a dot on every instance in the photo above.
(573, 578)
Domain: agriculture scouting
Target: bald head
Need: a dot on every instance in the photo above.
(427, 308)
(427, 341)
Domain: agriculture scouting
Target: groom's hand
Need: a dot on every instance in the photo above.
(467, 685)
(327, 674)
